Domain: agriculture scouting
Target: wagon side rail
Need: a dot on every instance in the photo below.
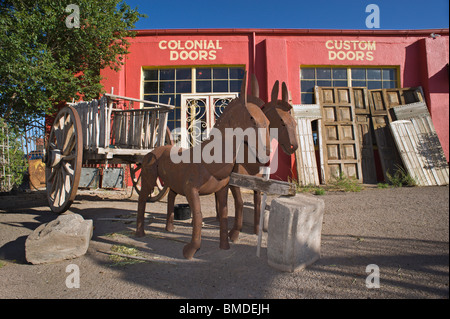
(109, 129)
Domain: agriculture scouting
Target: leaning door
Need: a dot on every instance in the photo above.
(340, 148)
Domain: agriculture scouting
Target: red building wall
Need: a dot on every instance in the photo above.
(278, 54)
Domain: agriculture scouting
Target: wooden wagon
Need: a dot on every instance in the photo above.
(105, 131)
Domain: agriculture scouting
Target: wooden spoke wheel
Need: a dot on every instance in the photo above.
(63, 159)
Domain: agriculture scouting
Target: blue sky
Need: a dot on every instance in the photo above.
(290, 14)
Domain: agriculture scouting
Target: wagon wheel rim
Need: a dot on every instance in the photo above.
(135, 172)
(64, 160)
(159, 190)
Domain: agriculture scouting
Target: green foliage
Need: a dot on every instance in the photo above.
(345, 183)
(401, 178)
(316, 190)
(319, 191)
(382, 185)
(12, 158)
(43, 62)
(124, 250)
(341, 183)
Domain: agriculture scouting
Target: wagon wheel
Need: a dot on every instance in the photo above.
(63, 159)
(160, 190)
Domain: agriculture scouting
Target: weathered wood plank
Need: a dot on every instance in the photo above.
(412, 110)
(158, 105)
(307, 172)
(152, 132)
(306, 159)
(270, 186)
(418, 152)
(403, 132)
(430, 149)
(102, 122)
(162, 128)
(311, 111)
(427, 145)
(364, 134)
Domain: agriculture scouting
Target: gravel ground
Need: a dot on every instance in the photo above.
(404, 231)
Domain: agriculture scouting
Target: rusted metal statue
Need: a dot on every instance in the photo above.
(278, 113)
(197, 177)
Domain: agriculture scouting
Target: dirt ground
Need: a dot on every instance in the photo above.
(404, 231)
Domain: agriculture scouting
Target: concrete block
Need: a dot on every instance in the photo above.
(294, 233)
(66, 237)
(249, 217)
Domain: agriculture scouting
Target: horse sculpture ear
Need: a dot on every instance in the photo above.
(274, 95)
(284, 93)
(255, 86)
(243, 94)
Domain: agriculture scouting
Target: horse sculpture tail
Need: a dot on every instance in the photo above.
(149, 174)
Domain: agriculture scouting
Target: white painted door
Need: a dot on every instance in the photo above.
(198, 115)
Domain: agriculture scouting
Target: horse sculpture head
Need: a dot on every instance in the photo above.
(246, 117)
(278, 113)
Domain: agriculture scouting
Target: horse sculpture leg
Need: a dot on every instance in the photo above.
(257, 205)
(238, 213)
(222, 210)
(216, 201)
(148, 176)
(193, 199)
(170, 206)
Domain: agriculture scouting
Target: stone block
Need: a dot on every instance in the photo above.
(249, 217)
(294, 232)
(66, 237)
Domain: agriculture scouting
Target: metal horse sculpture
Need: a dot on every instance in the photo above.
(278, 113)
(193, 179)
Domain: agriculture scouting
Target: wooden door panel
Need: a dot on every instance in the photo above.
(347, 132)
(341, 150)
(329, 114)
(364, 134)
(345, 113)
(349, 152)
(382, 102)
(333, 152)
(419, 145)
(331, 132)
(343, 95)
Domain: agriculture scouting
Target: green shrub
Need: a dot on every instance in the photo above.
(319, 191)
(12, 158)
(345, 183)
(401, 178)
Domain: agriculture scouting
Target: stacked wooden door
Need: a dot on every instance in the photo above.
(419, 145)
(340, 145)
(395, 121)
(382, 102)
(305, 154)
(363, 122)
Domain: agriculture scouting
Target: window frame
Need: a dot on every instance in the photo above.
(174, 118)
(349, 76)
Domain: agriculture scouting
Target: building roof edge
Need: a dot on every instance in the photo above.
(423, 32)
